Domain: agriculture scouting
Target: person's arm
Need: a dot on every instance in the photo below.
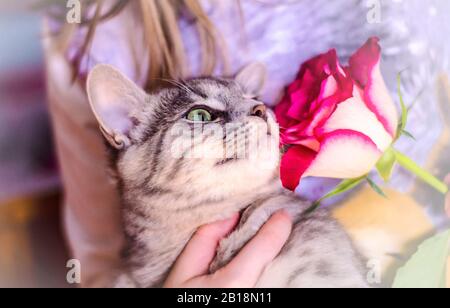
(192, 267)
(91, 211)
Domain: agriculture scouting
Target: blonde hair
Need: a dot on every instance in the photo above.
(163, 36)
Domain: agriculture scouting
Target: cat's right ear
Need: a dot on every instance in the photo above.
(116, 102)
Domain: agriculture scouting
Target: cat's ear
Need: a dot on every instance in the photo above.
(252, 79)
(115, 101)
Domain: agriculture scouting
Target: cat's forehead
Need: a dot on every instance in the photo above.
(212, 89)
(221, 93)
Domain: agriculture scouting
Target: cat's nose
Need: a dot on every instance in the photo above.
(259, 111)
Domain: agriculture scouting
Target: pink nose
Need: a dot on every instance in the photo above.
(259, 111)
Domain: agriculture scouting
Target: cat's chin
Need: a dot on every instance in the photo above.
(267, 162)
(247, 171)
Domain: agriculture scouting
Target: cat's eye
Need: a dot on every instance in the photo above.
(199, 115)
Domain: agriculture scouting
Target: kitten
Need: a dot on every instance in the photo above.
(196, 153)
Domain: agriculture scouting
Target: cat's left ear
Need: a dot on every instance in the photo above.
(252, 79)
(116, 102)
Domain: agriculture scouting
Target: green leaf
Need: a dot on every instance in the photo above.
(408, 134)
(313, 207)
(425, 176)
(376, 188)
(427, 267)
(343, 187)
(386, 164)
(404, 117)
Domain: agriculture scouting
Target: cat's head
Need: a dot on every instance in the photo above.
(205, 134)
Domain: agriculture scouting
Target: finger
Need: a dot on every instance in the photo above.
(194, 261)
(246, 268)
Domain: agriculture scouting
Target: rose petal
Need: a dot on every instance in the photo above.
(378, 99)
(293, 164)
(301, 98)
(310, 143)
(365, 70)
(353, 114)
(326, 107)
(314, 84)
(281, 113)
(329, 88)
(344, 154)
(322, 65)
(322, 114)
(364, 60)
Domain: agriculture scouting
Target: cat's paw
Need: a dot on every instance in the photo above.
(225, 253)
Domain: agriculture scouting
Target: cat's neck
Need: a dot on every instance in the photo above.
(164, 232)
(187, 212)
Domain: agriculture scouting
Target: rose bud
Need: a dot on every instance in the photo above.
(335, 121)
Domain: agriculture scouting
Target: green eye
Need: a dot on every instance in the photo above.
(199, 115)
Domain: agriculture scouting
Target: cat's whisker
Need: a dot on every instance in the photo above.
(178, 84)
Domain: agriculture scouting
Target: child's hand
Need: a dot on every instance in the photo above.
(447, 199)
(191, 268)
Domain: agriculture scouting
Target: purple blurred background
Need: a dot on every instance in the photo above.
(27, 165)
(32, 249)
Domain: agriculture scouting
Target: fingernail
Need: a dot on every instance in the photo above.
(284, 213)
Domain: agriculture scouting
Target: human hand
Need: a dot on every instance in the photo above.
(191, 268)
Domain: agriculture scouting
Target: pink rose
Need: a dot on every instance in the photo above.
(336, 121)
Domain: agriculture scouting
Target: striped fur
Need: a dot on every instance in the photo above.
(166, 197)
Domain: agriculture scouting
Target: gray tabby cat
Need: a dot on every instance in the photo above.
(169, 191)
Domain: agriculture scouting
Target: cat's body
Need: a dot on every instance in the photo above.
(169, 190)
(317, 254)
